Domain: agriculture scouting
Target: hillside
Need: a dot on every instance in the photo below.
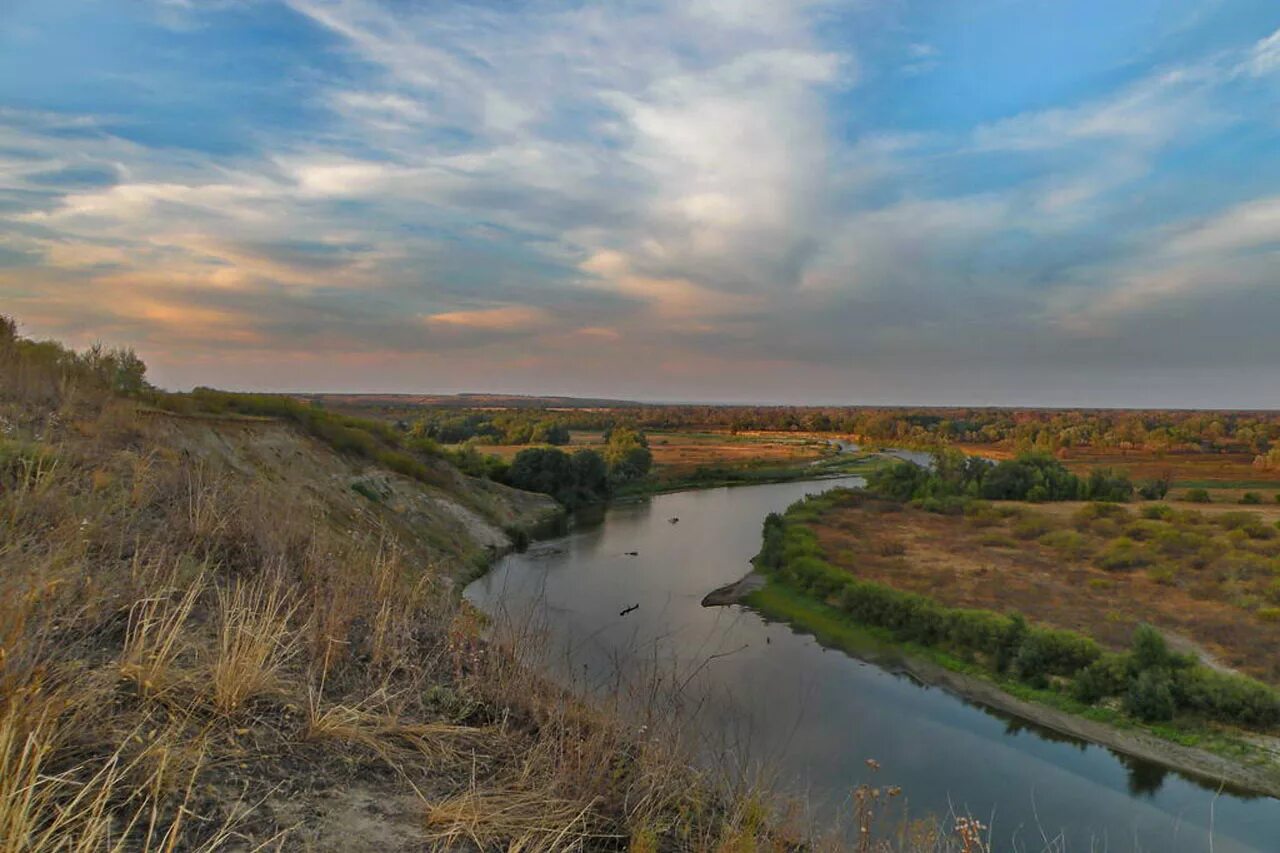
(218, 632)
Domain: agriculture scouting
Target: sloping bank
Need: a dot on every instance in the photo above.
(1147, 702)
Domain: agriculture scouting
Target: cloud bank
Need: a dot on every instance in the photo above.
(716, 200)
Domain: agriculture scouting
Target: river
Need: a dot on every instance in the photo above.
(774, 697)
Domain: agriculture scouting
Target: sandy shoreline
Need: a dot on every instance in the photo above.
(1191, 761)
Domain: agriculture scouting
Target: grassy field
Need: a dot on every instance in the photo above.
(677, 454)
(1207, 575)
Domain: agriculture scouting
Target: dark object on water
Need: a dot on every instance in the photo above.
(632, 553)
(629, 609)
(673, 520)
(767, 641)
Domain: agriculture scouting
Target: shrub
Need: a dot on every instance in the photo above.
(946, 505)
(1252, 498)
(1222, 696)
(1067, 542)
(1031, 476)
(900, 481)
(1198, 496)
(1150, 651)
(1104, 484)
(1150, 696)
(1144, 529)
(1033, 525)
(981, 514)
(1107, 676)
(1156, 489)
(977, 630)
(1092, 511)
(1045, 652)
(1237, 520)
(1158, 512)
(1123, 553)
(1175, 543)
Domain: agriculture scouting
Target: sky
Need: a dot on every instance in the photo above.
(989, 202)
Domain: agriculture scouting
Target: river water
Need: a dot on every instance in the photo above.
(767, 695)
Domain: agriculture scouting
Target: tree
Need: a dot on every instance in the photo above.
(590, 474)
(1151, 696)
(572, 480)
(627, 454)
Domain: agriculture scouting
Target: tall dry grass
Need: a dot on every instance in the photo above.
(254, 643)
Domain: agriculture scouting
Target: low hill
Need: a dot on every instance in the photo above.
(221, 631)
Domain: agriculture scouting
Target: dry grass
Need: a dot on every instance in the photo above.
(1058, 564)
(518, 819)
(114, 804)
(254, 642)
(153, 639)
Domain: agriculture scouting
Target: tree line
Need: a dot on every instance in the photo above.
(955, 477)
(1052, 431)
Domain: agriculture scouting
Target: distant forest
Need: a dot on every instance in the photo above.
(1017, 430)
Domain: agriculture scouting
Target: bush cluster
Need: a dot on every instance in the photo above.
(954, 478)
(585, 476)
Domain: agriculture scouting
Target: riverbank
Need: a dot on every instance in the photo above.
(1222, 763)
(838, 463)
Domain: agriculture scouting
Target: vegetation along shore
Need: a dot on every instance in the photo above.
(1147, 629)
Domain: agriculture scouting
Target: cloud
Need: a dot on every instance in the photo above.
(501, 319)
(1265, 56)
(1235, 250)
(671, 184)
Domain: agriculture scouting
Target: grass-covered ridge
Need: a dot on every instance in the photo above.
(209, 639)
(1147, 682)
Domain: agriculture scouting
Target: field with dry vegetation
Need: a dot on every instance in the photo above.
(1208, 576)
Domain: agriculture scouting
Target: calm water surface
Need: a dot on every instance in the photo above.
(776, 697)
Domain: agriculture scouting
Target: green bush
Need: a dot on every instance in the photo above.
(1222, 696)
(1032, 526)
(1044, 652)
(1105, 484)
(1122, 553)
(1158, 512)
(1236, 520)
(946, 505)
(1150, 696)
(1089, 513)
(1198, 496)
(1252, 498)
(1177, 543)
(1107, 676)
(1069, 543)
(1145, 529)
